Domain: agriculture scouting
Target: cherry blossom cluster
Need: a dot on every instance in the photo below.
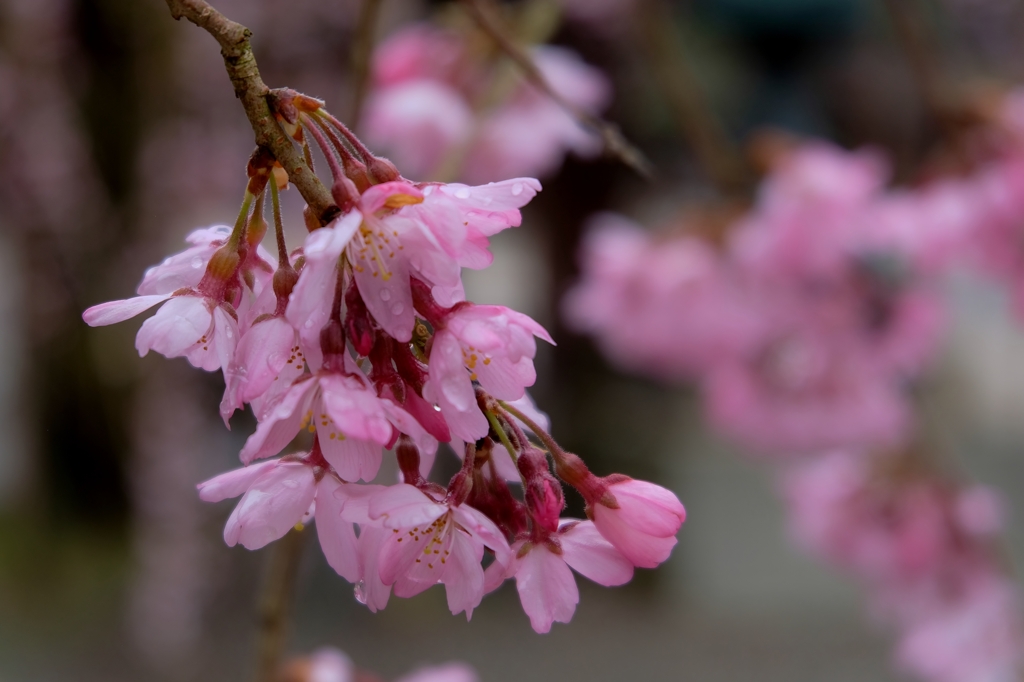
(806, 321)
(362, 341)
(924, 549)
(443, 105)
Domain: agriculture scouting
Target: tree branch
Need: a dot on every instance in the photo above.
(615, 143)
(253, 93)
(361, 53)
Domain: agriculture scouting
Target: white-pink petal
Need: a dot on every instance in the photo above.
(113, 312)
(591, 555)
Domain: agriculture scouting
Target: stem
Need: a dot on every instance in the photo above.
(615, 143)
(282, 248)
(544, 436)
(243, 215)
(361, 52)
(502, 436)
(356, 143)
(354, 168)
(332, 159)
(923, 65)
(275, 604)
(252, 92)
(668, 61)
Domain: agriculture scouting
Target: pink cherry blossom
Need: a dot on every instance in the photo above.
(666, 307)
(424, 103)
(639, 519)
(276, 495)
(447, 672)
(189, 325)
(803, 394)
(327, 664)
(546, 586)
(428, 542)
(353, 424)
(979, 638)
(489, 344)
(185, 269)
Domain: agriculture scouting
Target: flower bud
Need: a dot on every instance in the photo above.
(381, 170)
(344, 193)
(358, 325)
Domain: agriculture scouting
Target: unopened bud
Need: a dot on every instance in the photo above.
(332, 345)
(381, 170)
(357, 321)
(344, 193)
(256, 230)
(223, 264)
(280, 176)
(284, 282)
(312, 222)
(355, 170)
(543, 493)
(261, 161)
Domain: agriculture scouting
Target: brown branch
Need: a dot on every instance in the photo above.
(615, 143)
(253, 94)
(668, 62)
(924, 65)
(275, 604)
(361, 52)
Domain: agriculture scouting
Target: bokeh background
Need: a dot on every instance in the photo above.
(119, 134)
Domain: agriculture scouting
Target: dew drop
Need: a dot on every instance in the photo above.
(462, 193)
(228, 333)
(308, 323)
(360, 592)
(385, 295)
(517, 189)
(197, 262)
(397, 309)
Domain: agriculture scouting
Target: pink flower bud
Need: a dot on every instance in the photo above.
(641, 521)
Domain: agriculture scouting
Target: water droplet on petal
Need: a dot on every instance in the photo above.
(462, 193)
(360, 592)
(397, 309)
(308, 323)
(517, 189)
(229, 334)
(385, 295)
(197, 262)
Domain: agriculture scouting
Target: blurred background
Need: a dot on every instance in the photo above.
(119, 134)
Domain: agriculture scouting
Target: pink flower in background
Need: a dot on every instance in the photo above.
(979, 637)
(424, 109)
(448, 672)
(801, 395)
(666, 307)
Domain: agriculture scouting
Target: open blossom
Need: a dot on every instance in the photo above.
(352, 423)
(428, 542)
(277, 495)
(546, 586)
(492, 345)
(422, 108)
